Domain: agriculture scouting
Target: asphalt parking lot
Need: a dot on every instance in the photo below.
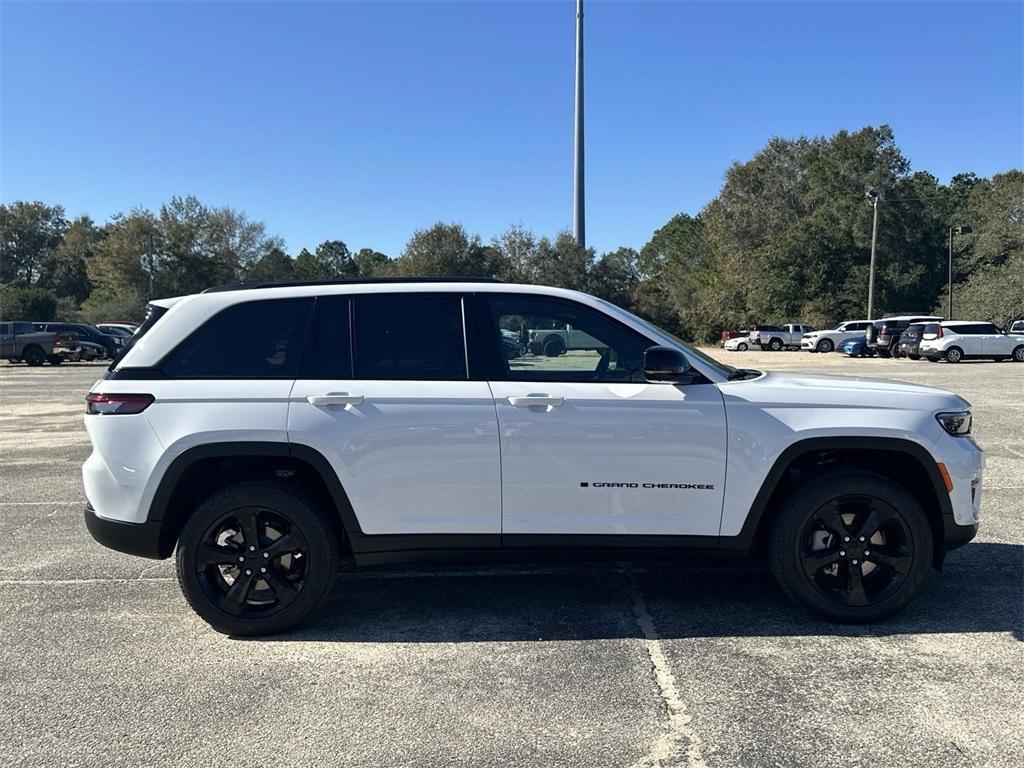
(103, 664)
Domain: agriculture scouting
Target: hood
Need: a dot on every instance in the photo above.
(788, 390)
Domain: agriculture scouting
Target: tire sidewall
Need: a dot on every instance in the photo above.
(954, 355)
(299, 510)
(800, 505)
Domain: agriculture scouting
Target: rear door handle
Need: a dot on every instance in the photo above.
(525, 401)
(335, 398)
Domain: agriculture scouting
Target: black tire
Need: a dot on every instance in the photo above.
(55, 359)
(914, 357)
(954, 355)
(742, 347)
(297, 577)
(932, 359)
(818, 558)
(33, 355)
(554, 347)
(825, 346)
(1018, 354)
(775, 345)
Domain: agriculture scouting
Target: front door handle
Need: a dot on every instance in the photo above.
(525, 401)
(335, 398)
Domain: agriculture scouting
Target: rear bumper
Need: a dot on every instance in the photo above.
(142, 539)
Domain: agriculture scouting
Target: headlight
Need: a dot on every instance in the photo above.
(957, 424)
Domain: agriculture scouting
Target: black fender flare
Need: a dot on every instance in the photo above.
(746, 539)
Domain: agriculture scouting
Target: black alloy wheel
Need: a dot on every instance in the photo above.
(256, 558)
(854, 550)
(850, 545)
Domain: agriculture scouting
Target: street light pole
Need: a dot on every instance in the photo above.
(949, 300)
(578, 214)
(873, 194)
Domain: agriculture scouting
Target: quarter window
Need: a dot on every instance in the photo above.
(254, 340)
(546, 340)
(415, 337)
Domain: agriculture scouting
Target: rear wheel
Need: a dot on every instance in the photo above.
(775, 345)
(554, 347)
(914, 357)
(33, 355)
(256, 558)
(852, 546)
(954, 355)
(825, 345)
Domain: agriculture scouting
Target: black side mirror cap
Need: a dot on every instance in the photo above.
(665, 365)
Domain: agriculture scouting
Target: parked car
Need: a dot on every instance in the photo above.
(1017, 326)
(19, 341)
(115, 330)
(737, 343)
(956, 340)
(884, 335)
(857, 347)
(910, 341)
(86, 332)
(726, 335)
(826, 341)
(88, 351)
(754, 337)
(786, 337)
(130, 328)
(334, 430)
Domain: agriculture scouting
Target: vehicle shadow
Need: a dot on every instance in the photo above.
(981, 589)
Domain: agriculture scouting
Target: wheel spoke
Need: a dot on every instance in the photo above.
(855, 594)
(874, 520)
(830, 516)
(284, 589)
(235, 596)
(898, 561)
(815, 561)
(283, 546)
(250, 528)
(211, 554)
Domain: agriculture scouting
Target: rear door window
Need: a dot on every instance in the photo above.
(253, 340)
(330, 348)
(413, 337)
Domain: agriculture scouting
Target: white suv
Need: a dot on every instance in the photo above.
(265, 432)
(956, 340)
(827, 341)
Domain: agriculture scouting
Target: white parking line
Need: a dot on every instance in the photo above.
(39, 503)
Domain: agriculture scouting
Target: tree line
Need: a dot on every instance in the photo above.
(787, 238)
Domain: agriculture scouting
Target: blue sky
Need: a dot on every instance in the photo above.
(364, 121)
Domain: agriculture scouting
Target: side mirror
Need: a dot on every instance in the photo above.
(665, 365)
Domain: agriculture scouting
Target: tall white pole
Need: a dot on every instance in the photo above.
(578, 214)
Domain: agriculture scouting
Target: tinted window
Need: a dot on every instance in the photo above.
(330, 351)
(547, 340)
(254, 340)
(408, 336)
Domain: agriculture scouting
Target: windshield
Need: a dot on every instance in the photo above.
(725, 370)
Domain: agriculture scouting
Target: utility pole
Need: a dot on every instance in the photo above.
(578, 214)
(873, 194)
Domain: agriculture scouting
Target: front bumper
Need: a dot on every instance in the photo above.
(142, 539)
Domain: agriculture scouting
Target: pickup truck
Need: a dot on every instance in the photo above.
(775, 338)
(20, 341)
(553, 342)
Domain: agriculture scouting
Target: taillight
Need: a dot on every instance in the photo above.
(938, 333)
(116, 403)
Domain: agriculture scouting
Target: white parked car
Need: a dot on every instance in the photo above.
(1017, 327)
(737, 343)
(383, 420)
(956, 340)
(827, 341)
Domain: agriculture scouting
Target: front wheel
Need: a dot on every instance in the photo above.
(825, 345)
(1018, 354)
(775, 345)
(256, 558)
(741, 347)
(852, 546)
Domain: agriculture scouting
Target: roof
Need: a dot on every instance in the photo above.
(347, 281)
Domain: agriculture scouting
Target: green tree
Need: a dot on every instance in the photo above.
(370, 263)
(445, 250)
(29, 234)
(275, 266)
(33, 304)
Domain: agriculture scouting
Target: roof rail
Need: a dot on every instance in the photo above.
(348, 281)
